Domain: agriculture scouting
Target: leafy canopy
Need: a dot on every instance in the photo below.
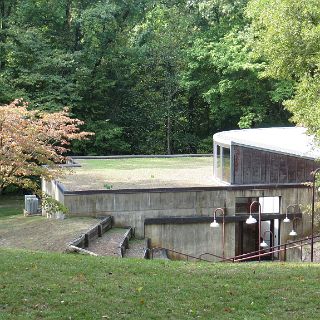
(287, 35)
(33, 143)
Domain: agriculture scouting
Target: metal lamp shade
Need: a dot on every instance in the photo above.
(263, 244)
(251, 220)
(214, 224)
(286, 220)
(293, 233)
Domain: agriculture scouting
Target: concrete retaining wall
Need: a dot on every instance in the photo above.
(192, 239)
(133, 207)
(54, 189)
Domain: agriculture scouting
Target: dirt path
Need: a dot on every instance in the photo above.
(40, 233)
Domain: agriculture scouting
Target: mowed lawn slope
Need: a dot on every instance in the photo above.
(37, 233)
(60, 286)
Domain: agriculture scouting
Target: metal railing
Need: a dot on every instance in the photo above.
(275, 249)
(187, 256)
(282, 248)
(215, 256)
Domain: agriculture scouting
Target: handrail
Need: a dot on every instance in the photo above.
(272, 252)
(216, 256)
(183, 254)
(249, 255)
(271, 248)
(275, 249)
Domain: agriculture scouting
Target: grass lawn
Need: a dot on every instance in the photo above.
(140, 173)
(61, 286)
(36, 233)
(145, 163)
(11, 205)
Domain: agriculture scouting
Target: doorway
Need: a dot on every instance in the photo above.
(247, 235)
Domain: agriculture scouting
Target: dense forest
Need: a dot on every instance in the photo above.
(152, 77)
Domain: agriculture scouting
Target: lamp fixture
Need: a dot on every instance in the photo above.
(263, 244)
(214, 224)
(293, 206)
(251, 220)
(286, 219)
(293, 233)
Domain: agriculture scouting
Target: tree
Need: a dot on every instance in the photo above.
(33, 144)
(287, 35)
(147, 76)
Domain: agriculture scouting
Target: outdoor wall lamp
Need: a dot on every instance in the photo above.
(263, 244)
(252, 220)
(286, 219)
(293, 232)
(215, 224)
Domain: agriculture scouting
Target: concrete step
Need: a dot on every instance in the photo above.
(112, 243)
(137, 249)
(159, 254)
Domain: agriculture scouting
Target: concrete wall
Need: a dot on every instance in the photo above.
(198, 238)
(192, 239)
(133, 207)
(54, 189)
(251, 165)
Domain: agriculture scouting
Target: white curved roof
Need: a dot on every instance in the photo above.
(288, 140)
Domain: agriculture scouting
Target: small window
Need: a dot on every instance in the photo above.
(219, 165)
(222, 163)
(226, 164)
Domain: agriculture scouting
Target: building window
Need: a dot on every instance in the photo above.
(218, 163)
(222, 163)
(226, 164)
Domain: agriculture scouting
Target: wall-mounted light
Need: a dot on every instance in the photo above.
(215, 224)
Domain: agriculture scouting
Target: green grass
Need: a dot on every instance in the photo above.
(11, 205)
(140, 163)
(57, 286)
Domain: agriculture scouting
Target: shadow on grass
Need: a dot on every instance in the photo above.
(11, 205)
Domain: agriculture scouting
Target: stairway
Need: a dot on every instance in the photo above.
(112, 243)
(104, 240)
(137, 249)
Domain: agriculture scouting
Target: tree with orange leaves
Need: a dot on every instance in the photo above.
(34, 144)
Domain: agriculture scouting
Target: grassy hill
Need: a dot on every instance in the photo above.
(35, 285)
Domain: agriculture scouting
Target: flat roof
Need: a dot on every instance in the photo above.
(141, 173)
(287, 140)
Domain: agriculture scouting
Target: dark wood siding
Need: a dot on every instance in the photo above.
(252, 166)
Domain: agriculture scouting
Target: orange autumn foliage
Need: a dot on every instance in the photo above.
(34, 143)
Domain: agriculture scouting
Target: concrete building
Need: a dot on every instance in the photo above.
(266, 166)
(264, 156)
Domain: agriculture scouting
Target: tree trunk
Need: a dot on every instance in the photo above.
(191, 122)
(69, 14)
(168, 134)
